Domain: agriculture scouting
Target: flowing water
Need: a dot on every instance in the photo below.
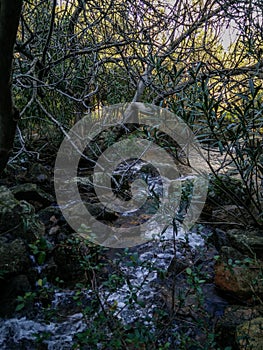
(22, 333)
(141, 279)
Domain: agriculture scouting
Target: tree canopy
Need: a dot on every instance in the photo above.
(74, 56)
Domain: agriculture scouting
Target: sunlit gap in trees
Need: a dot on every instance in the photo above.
(229, 35)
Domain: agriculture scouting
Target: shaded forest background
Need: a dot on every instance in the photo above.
(72, 57)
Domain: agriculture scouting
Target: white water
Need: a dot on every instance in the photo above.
(140, 278)
(15, 331)
(159, 254)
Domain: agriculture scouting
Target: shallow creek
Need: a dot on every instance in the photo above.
(22, 332)
(141, 279)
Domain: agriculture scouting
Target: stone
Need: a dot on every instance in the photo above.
(10, 211)
(14, 257)
(231, 214)
(99, 212)
(96, 210)
(217, 238)
(68, 259)
(48, 214)
(18, 218)
(234, 316)
(238, 275)
(38, 173)
(249, 335)
(248, 241)
(32, 194)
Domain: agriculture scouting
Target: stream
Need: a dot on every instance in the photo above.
(140, 266)
(142, 277)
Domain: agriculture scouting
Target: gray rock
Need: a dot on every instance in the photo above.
(31, 192)
(248, 241)
(14, 257)
(38, 173)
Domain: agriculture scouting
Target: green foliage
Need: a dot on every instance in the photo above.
(26, 300)
(39, 249)
(234, 132)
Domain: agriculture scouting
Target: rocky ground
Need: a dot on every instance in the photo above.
(224, 276)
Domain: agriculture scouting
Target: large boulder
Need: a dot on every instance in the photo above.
(249, 241)
(239, 275)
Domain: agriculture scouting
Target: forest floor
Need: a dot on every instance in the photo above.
(172, 292)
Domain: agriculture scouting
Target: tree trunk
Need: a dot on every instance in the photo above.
(9, 19)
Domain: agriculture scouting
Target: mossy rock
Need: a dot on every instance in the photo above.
(14, 257)
(33, 194)
(18, 218)
(249, 335)
(232, 320)
(38, 173)
(239, 276)
(249, 241)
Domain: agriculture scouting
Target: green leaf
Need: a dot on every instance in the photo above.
(20, 307)
(40, 282)
(188, 271)
(41, 258)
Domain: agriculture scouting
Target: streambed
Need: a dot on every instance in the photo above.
(142, 279)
